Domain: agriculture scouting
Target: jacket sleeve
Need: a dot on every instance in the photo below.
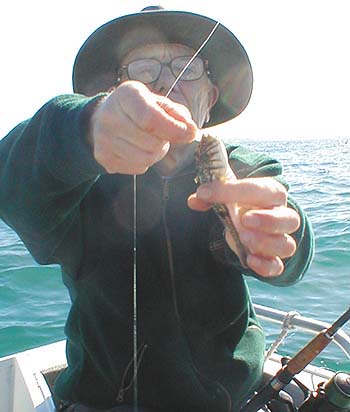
(247, 163)
(46, 169)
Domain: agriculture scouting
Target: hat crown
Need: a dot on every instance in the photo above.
(152, 8)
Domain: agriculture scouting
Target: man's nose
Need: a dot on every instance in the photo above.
(164, 82)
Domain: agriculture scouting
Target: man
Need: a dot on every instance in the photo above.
(67, 188)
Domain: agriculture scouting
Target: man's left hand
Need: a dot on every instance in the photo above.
(265, 225)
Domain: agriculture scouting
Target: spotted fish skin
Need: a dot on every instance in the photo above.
(212, 164)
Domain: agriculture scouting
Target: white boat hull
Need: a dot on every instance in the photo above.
(22, 382)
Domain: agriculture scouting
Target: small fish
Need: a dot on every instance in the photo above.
(212, 164)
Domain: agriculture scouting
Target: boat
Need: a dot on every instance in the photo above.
(26, 377)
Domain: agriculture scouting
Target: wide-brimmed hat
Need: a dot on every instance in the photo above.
(96, 65)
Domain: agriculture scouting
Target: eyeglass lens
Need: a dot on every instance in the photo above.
(148, 70)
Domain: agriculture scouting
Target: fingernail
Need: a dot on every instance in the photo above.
(204, 192)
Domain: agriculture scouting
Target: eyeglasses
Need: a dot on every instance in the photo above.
(148, 70)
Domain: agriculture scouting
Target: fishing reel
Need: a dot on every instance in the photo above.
(331, 396)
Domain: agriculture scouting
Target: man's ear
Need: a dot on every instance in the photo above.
(212, 99)
(213, 95)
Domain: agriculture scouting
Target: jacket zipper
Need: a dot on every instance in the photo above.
(166, 183)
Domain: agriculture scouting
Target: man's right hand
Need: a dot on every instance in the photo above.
(132, 129)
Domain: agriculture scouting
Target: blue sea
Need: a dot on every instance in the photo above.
(34, 304)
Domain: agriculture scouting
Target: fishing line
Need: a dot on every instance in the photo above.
(135, 393)
(135, 343)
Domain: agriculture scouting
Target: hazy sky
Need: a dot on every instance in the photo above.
(299, 51)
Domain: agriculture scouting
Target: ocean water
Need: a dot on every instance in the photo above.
(34, 303)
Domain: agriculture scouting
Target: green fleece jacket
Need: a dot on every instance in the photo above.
(200, 345)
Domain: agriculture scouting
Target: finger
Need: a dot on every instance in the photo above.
(268, 246)
(278, 220)
(123, 157)
(265, 267)
(136, 155)
(177, 110)
(263, 191)
(143, 108)
(130, 132)
(197, 204)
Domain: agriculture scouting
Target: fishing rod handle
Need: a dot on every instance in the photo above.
(308, 353)
(259, 400)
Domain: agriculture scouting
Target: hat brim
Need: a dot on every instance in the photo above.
(96, 64)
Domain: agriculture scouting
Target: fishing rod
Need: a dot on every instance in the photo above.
(271, 391)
